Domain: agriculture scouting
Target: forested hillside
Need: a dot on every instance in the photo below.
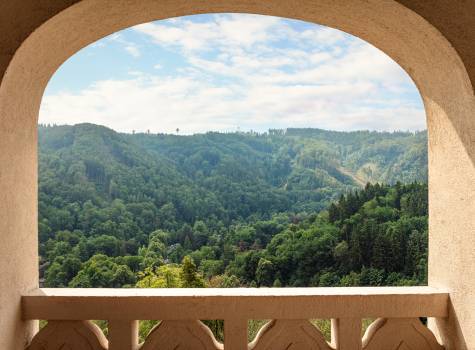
(284, 208)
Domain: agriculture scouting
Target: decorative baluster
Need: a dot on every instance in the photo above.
(399, 333)
(289, 334)
(171, 335)
(123, 335)
(235, 334)
(346, 333)
(71, 335)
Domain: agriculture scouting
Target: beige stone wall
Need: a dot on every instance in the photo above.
(436, 46)
(453, 18)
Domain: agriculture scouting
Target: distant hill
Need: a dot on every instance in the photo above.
(222, 175)
(248, 209)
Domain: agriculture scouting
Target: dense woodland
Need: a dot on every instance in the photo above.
(295, 207)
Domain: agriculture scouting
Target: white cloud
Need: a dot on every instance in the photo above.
(250, 71)
(133, 50)
(162, 105)
(223, 30)
(130, 47)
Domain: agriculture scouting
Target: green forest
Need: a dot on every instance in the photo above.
(294, 207)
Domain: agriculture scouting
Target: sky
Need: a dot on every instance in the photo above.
(230, 72)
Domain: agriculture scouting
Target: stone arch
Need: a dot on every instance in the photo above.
(409, 39)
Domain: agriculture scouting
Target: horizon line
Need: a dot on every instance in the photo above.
(238, 131)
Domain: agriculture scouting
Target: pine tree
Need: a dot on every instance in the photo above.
(189, 275)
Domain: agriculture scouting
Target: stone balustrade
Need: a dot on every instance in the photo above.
(396, 311)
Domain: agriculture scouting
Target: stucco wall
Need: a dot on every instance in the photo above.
(453, 18)
(439, 56)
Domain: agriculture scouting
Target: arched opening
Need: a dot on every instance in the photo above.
(412, 42)
(297, 113)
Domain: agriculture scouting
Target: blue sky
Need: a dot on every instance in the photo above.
(232, 71)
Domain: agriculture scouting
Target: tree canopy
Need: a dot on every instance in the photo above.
(283, 208)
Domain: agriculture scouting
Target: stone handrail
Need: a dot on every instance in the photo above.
(396, 310)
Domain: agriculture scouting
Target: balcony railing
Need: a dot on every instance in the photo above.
(396, 310)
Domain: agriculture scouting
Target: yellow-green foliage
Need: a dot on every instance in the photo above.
(165, 276)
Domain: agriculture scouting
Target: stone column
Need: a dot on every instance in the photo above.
(18, 230)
